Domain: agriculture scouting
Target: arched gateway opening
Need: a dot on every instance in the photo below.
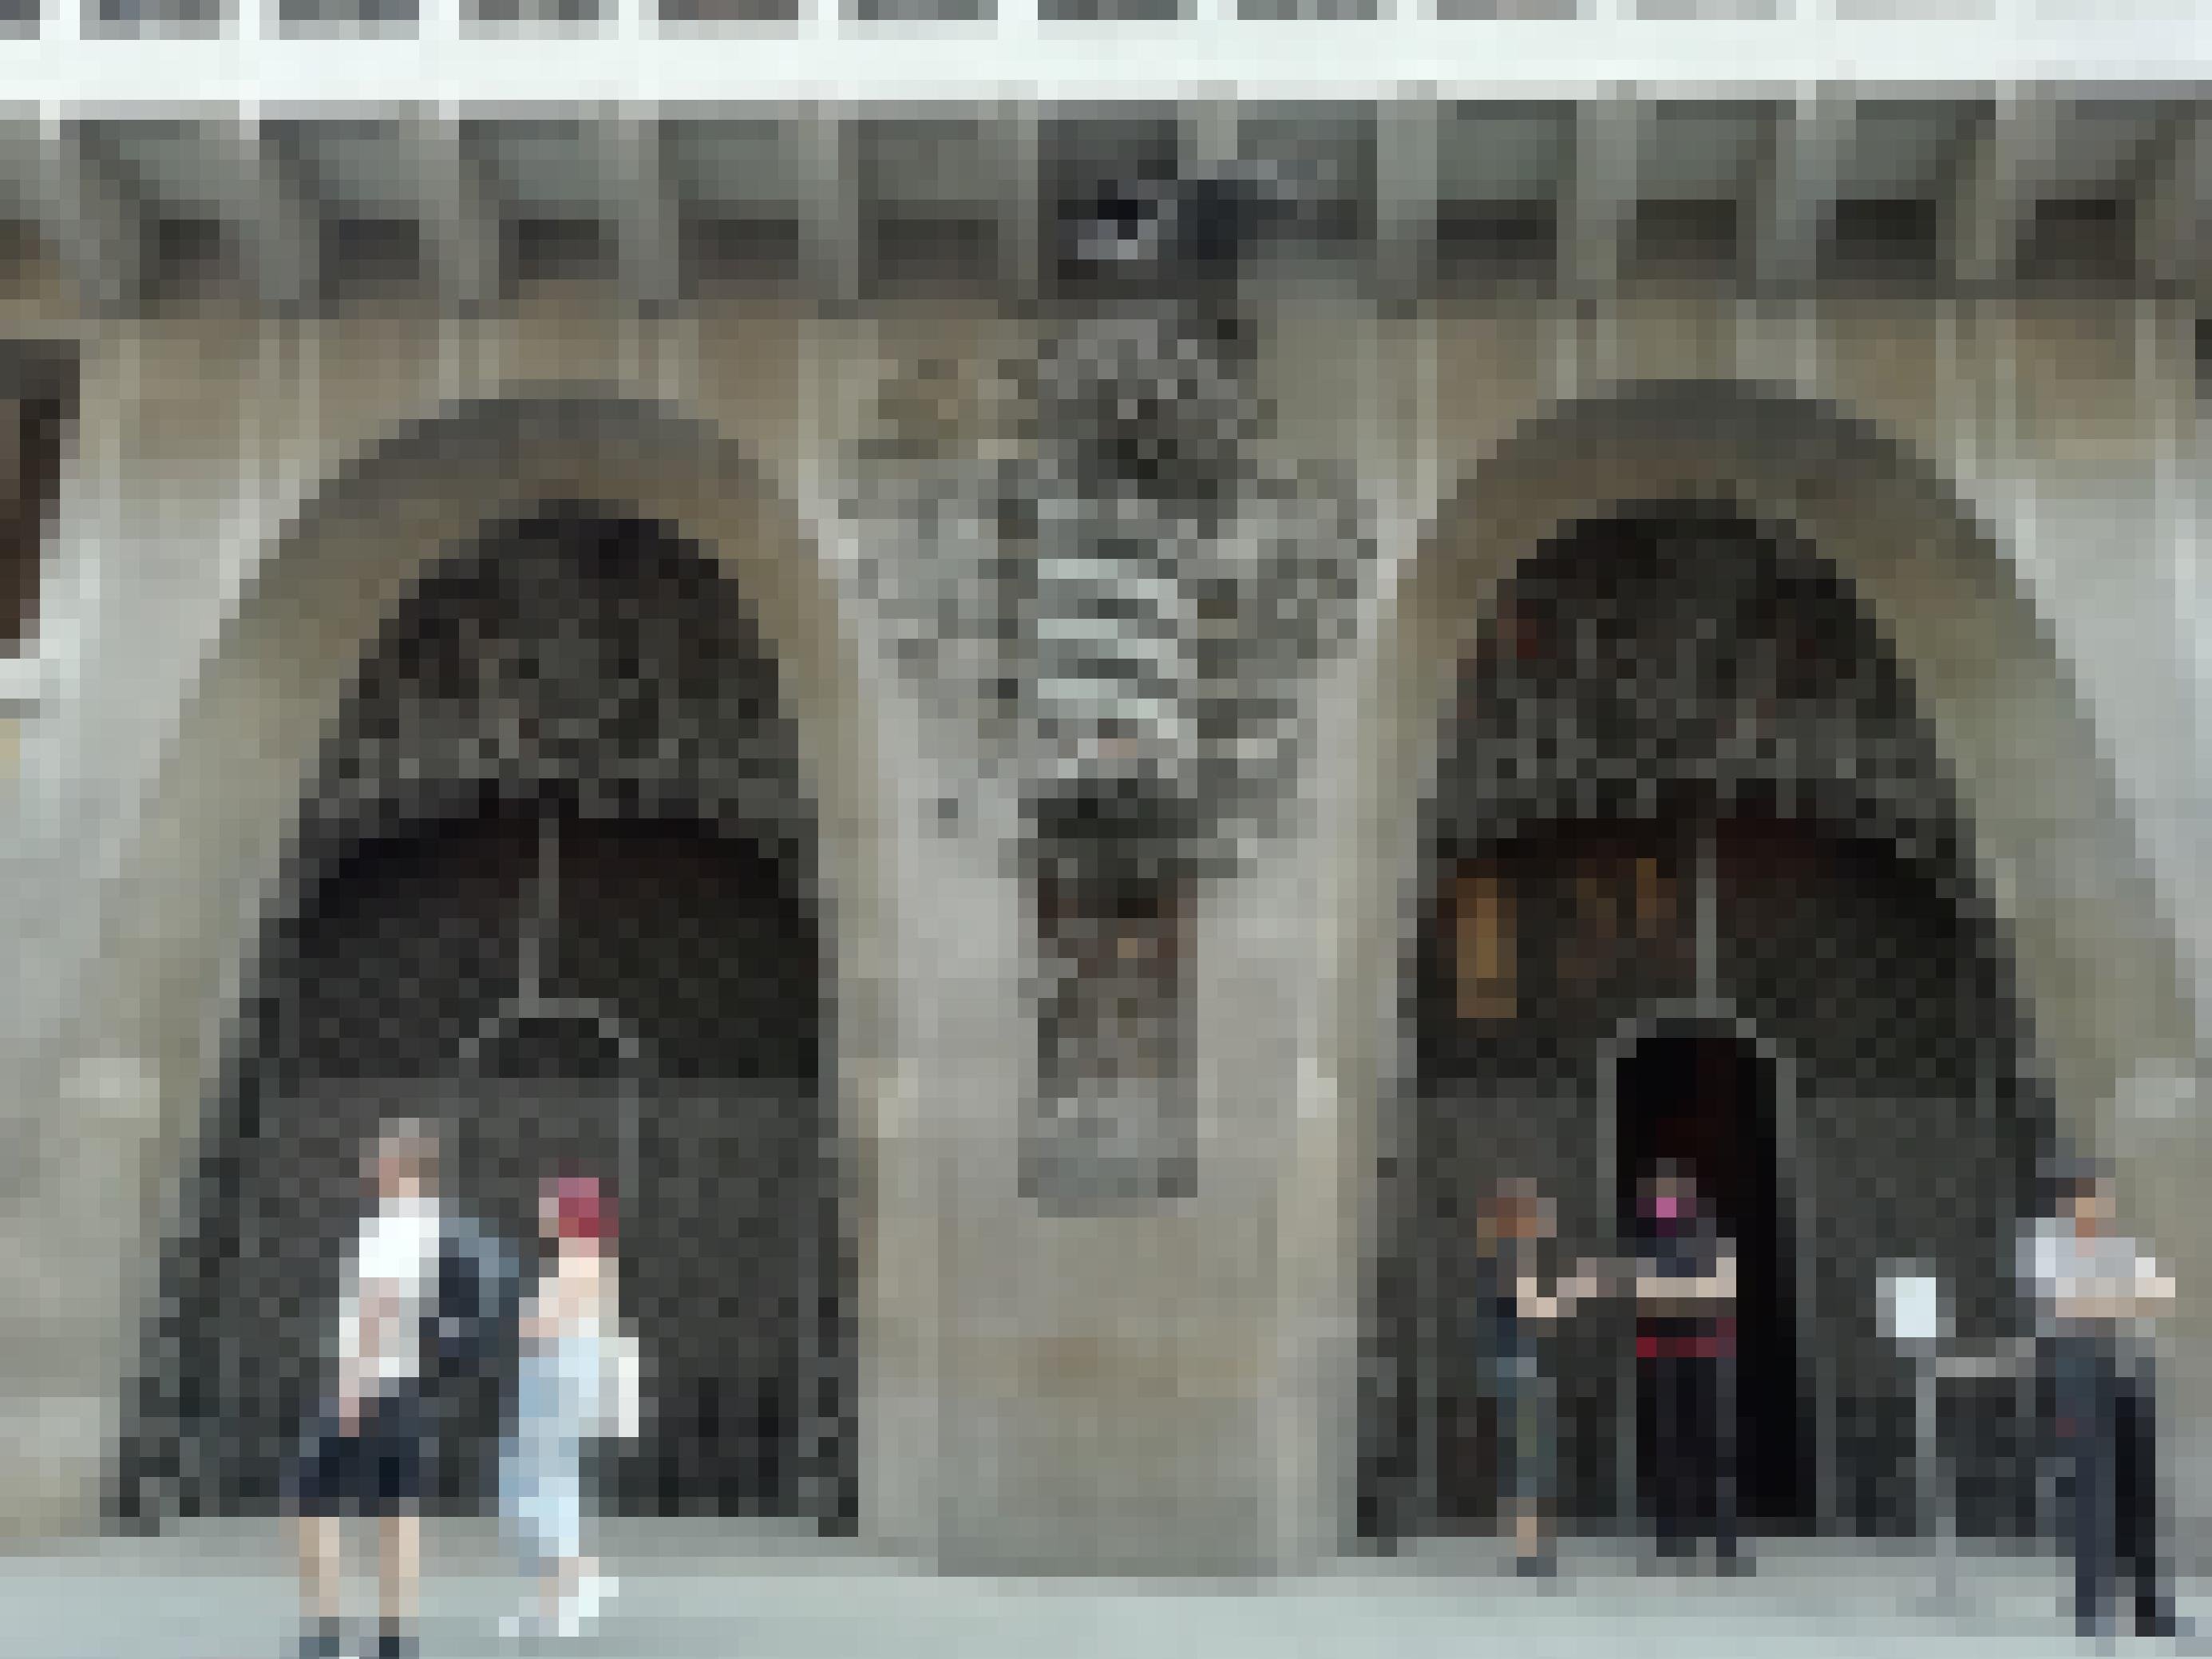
(1698, 887)
(554, 883)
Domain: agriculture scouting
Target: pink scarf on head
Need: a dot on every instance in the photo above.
(581, 1207)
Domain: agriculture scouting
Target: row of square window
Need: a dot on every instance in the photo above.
(129, 16)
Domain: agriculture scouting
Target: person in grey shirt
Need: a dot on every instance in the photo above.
(2096, 1294)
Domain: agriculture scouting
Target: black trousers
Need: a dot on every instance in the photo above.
(2107, 1434)
(1686, 1417)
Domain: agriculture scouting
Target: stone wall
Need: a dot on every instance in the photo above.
(1118, 1393)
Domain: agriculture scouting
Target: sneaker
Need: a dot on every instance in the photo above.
(593, 1594)
(393, 1644)
(1536, 1566)
(581, 1610)
(323, 1639)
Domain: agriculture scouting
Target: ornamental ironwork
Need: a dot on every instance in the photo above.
(1096, 566)
(1096, 562)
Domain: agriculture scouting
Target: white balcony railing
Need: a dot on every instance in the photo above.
(103, 54)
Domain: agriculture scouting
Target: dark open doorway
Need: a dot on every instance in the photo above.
(1706, 1100)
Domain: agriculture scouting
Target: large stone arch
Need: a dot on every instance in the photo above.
(182, 917)
(2097, 962)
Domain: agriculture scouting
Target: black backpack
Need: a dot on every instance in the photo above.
(467, 1325)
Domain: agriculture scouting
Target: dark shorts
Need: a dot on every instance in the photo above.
(378, 1469)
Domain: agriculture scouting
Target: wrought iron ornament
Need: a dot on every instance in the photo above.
(1091, 562)
(1091, 565)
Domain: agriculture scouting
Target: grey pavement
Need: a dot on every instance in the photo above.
(700, 1588)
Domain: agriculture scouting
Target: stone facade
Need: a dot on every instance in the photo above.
(2012, 486)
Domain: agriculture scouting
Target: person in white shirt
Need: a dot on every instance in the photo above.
(2096, 1293)
(365, 1450)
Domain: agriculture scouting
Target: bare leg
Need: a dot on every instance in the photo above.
(568, 1575)
(1527, 1530)
(319, 1565)
(402, 1570)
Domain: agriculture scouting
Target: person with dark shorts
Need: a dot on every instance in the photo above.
(1685, 1369)
(365, 1450)
(373, 1468)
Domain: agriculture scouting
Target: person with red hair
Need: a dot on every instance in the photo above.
(566, 1329)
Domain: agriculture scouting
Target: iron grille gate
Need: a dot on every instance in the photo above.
(730, 1270)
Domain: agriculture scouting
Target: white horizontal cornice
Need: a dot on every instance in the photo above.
(826, 59)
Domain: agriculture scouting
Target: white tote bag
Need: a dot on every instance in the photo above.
(621, 1401)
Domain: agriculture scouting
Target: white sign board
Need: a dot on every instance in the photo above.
(1912, 1307)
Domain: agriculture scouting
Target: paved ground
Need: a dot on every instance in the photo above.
(691, 1591)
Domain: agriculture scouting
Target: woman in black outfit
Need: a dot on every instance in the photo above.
(1686, 1367)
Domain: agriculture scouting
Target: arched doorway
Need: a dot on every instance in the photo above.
(1696, 1096)
(555, 884)
(1686, 777)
